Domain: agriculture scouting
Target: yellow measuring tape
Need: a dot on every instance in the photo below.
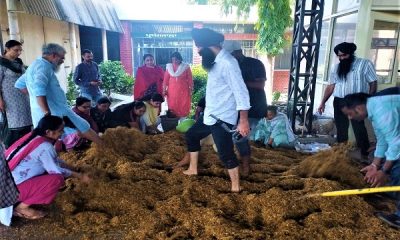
(359, 191)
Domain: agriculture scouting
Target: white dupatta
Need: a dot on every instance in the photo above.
(181, 69)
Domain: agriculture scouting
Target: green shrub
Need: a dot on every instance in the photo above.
(115, 79)
(199, 86)
(199, 77)
(72, 90)
(276, 96)
(125, 85)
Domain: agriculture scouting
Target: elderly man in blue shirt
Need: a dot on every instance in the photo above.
(45, 93)
(384, 113)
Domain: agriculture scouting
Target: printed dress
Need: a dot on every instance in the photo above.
(277, 128)
(8, 189)
(18, 110)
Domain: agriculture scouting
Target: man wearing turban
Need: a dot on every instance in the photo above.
(350, 75)
(226, 94)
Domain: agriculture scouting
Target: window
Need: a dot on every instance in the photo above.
(231, 28)
(249, 48)
(282, 61)
(346, 4)
(343, 31)
(323, 51)
(383, 49)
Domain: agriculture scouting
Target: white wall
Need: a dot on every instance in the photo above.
(36, 31)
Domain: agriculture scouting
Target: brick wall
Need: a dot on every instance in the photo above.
(125, 43)
(281, 81)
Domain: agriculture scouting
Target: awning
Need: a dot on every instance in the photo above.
(91, 13)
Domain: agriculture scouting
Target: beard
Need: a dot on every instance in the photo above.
(56, 67)
(345, 67)
(207, 58)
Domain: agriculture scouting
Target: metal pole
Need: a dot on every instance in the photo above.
(104, 43)
(73, 44)
(13, 20)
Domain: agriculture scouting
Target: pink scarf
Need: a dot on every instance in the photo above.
(32, 145)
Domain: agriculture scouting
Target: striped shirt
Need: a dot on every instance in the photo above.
(384, 113)
(226, 92)
(362, 73)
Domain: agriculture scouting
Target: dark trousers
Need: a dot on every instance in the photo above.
(342, 126)
(14, 135)
(222, 139)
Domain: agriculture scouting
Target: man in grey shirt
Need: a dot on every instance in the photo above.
(87, 77)
(226, 94)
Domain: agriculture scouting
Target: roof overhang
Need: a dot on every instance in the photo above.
(91, 13)
(178, 11)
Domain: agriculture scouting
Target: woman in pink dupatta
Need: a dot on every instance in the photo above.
(149, 79)
(178, 85)
(72, 139)
(36, 169)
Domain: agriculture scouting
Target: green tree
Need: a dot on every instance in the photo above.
(72, 90)
(274, 17)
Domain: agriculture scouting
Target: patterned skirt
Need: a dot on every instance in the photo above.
(8, 189)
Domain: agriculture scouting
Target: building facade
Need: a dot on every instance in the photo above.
(163, 38)
(37, 22)
(161, 33)
(374, 25)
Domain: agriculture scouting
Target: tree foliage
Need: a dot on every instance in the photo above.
(274, 17)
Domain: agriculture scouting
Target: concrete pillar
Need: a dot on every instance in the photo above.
(72, 40)
(13, 20)
(268, 62)
(363, 29)
(104, 43)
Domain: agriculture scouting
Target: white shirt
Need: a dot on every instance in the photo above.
(42, 159)
(226, 92)
(362, 73)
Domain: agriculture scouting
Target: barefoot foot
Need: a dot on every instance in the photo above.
(190, 172)
(28, 213)
(184, 162)
(236, 189)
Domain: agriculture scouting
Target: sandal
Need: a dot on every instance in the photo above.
(33, 216)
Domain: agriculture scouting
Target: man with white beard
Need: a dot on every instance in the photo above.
(45, 93)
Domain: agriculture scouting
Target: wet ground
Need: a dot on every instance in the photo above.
(135, 194)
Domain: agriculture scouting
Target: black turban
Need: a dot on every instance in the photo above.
(346, 48)
(205, 37)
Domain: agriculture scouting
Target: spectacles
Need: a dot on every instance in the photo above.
(341, 55)
(60, 56)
